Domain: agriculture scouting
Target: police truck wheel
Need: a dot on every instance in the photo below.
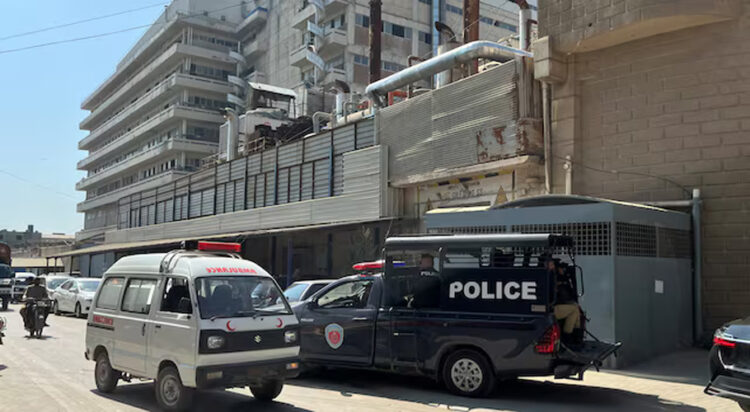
(171, 395)
(78, 311)
(467, 373)
(105, 377)
(56, 308)
(267, 391)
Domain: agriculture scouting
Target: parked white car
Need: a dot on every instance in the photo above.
(75, 295)
(52, 282)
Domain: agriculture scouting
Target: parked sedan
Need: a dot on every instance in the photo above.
(52, 282)
(729, 363)
(75, 295)
(302, 290)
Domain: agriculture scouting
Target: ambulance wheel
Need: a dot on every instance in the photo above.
(171, 395)
(267, 391)
(106, 378)
(467, 373)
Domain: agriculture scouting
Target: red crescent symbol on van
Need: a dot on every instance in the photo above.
(229, 328)
(281, 323)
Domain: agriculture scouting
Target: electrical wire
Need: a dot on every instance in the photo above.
(48, 189)
(93, 36)
(73, 23)
(624, 172)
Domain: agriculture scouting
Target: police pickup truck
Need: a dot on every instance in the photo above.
(466, 310)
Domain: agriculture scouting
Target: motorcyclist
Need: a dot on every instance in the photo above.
(34, 291)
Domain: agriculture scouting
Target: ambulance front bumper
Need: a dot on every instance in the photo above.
(244, 374)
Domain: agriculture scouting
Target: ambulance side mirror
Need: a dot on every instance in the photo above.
(184, 306)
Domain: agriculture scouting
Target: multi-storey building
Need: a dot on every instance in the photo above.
(158, 114)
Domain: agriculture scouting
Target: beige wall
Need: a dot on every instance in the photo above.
(674, 105)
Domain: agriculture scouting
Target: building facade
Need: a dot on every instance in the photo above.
(154, 119)
(658, 92)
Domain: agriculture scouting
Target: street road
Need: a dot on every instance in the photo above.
(52, 375)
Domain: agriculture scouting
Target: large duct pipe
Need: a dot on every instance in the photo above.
(233, 133)
(468, 52)
(342, 91)
(524, 32)
(376, 29)
(317, 117)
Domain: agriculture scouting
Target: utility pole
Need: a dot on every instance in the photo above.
(471, 28)
(376, 30)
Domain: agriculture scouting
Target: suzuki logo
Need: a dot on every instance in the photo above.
(257, 339)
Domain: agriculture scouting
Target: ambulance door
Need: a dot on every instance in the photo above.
(132, 324)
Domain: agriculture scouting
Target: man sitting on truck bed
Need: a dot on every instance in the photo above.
(566, 307)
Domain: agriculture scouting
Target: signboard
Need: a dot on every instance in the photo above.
(483, 190)
(495, 290)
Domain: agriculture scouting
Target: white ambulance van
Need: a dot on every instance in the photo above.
(190, 320)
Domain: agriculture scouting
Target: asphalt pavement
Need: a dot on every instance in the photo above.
(51, 374)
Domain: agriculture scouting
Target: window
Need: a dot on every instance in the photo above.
(88, 285)
(361, 60)
(425, 37)
(362, 20)
(175, 290)
(392, 67)
(506, 26)
(294, 292)
(396, 30)
(414, 280)
(314, 288)
(347, 295)
(454, 9)
(487, 20)
(109, 294)
(67, 285)
(239, 296)
(429, 2)
(138, 295)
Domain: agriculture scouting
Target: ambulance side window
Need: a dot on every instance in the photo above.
(138, 296)
(176, 290)
(110, 293)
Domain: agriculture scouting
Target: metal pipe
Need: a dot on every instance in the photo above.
(697, 265)
(232, 133)
(474, 50)
(546, 124)
(317, 117)
(524, 15)
(342, 90)
(568, 166)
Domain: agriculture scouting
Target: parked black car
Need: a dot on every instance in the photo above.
(729, 363)
(465, 310)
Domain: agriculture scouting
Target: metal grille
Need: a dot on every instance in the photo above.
(591, 238)
(469, 230)
(674, 243)
(635, 240)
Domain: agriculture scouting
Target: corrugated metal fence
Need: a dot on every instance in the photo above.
(310, 168)
(438, 130)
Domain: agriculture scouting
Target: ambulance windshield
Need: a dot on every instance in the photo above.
(239, 296)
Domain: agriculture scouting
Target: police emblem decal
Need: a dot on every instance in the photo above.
(334, 335)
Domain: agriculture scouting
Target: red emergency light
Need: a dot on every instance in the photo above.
(378, 264)
(219, 247)
(723, 342)
(549, 342)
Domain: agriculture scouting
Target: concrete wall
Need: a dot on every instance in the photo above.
(675, 104)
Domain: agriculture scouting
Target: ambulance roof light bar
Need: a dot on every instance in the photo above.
(206, 246)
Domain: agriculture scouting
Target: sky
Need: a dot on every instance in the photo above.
(40, 96)
(41, 90)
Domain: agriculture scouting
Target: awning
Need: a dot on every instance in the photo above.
(26, 262)
(119, 247)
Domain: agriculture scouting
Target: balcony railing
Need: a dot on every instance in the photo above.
(179, 144)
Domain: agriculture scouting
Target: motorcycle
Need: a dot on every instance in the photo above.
(2, 328)
(36, 312)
